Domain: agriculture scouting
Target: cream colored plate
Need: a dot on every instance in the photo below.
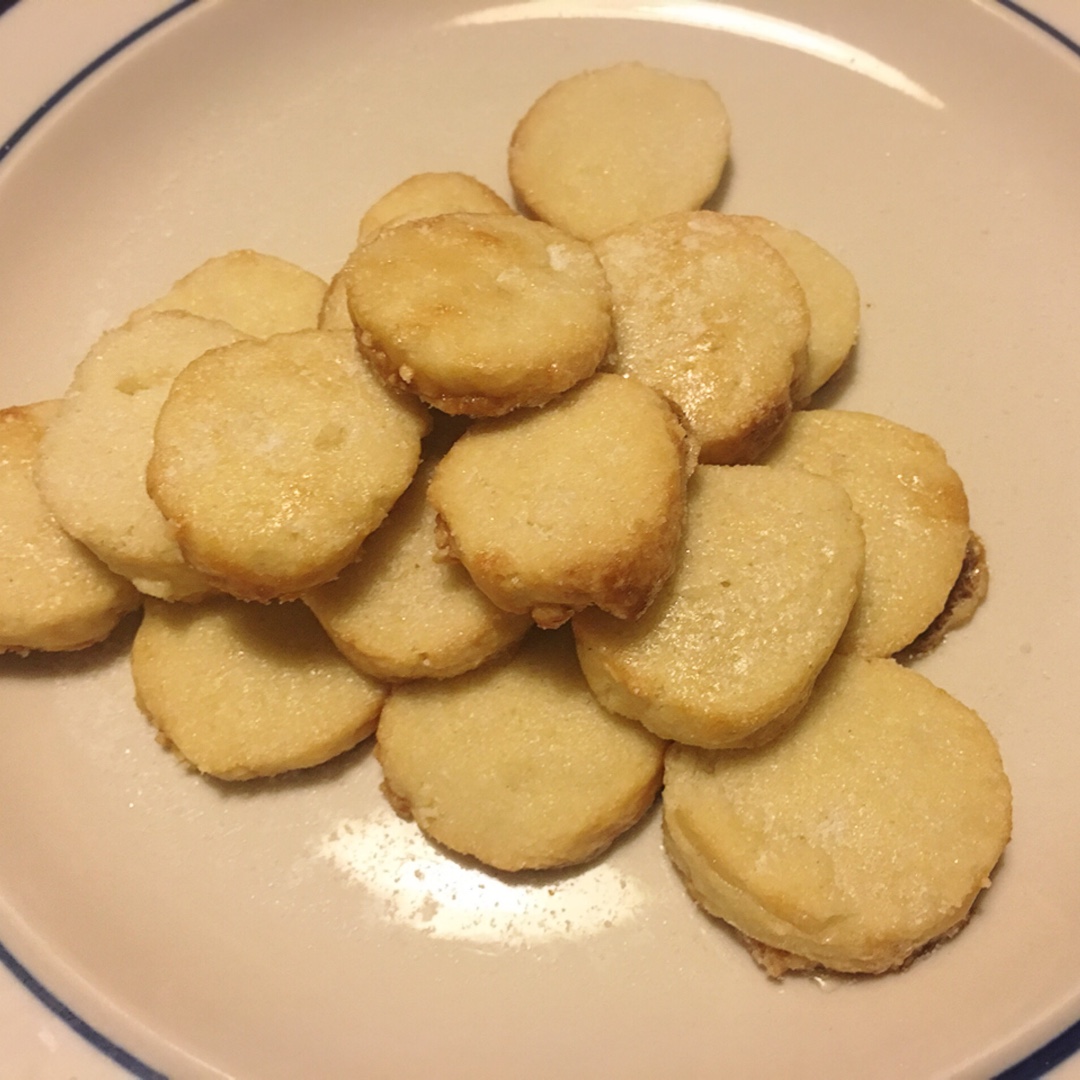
(279, 930)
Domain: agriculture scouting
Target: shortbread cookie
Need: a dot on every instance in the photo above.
(726, 656)
(853, 841)
(244, 690)
(274, 459)
(613, 147)
(479, 313)
(578, 503)
(914, 514)
(56, 594)
(713, 318)
(403, 610)
(428, 195)
(832, 295)
(258, 294)
(92, 466)
(516, 763)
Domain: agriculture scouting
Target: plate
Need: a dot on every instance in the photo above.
(296, 928)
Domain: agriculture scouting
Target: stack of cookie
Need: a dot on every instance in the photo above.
(540, 501)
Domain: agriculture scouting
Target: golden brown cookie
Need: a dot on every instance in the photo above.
(712, 317)
(274, 459)
(766, 577)
(578, 503)
(609, 148)
(244, 690)
(853, 841)
(479, 313)
(55, 594)
(516, 763)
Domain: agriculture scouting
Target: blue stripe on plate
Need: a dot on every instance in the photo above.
(1033, 1067)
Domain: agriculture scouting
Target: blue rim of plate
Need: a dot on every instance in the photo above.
(1035, 1065)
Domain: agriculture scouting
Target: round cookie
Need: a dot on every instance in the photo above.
(428, 195)
(860, 836)
(244, 690)
(479, 313)
(515, 763)
(403, 610)
(914, 514)
(274, 459)
(258, 294)
(93, 459)
(535, 504)
(608, 148)
(765, 580)
(832, 296)
(56, 594)
(712, 317)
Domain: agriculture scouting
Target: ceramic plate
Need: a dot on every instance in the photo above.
(297, 928)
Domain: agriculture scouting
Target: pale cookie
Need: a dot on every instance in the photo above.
(479, 313)
(274, 459)
(244, 690)
(728, 653)
(334, 312)
(516, 763)
(609, 148)
(855, 840)
(56, 595)
(428, 195)
(914, 514)
(713, 318)
(258, 294)
(832, 296)
(578, 503)
(92, 465)
(404, 611)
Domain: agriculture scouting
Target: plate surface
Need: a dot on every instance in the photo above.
(296, 928)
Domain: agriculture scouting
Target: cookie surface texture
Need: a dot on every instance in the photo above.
(861, 835)
(578, 503)
(619, 145)
(258, 294)
(245, 690)
(56, 595)
(92, 468)
(428, 195)
(914, 514)
(832, 296)
(765, 580)
(713, 318)
(274, 459)
(403, 610)
(515, 763)
(479, 313)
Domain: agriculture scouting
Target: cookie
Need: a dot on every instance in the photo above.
(537, 504)
(766, 577)
(56, 594)
(515, 763)
(859, 837)
(246, 690)
(620, 145)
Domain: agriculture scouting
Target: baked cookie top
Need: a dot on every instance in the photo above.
(93, 459)
(851, 842)
(712, 317)
(578, 503)
(608, 148)
(914, 515)
(56, 594)
(516, 763)
(274, 459)
(765, 579)
(245, 690)
(479, 313)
